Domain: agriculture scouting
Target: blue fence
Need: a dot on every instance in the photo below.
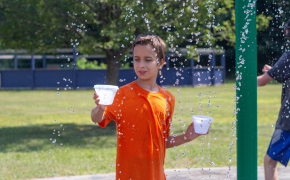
(76, 78)
(73, 79)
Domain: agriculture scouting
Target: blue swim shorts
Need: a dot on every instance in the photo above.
(279, 148)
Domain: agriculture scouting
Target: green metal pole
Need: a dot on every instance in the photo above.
(246, 90)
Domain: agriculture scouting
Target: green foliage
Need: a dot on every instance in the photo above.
(125, 65)
(110, 26)
(83, 63)
(6, 64)
(104, 25)
(272, 42)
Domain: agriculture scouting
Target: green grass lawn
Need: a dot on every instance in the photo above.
(44, 134)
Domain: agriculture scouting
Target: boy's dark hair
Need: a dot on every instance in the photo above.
(287, 26)
(155, 41)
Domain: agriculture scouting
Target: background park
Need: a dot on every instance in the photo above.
(47, 131)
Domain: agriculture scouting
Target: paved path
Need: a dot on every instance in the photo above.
(220, 173)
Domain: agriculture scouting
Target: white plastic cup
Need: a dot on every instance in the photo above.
(201, 123)
(106, 93)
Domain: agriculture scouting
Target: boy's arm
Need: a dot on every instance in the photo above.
(97, 114)
(176, 141)
(183, 138)
(263, 79)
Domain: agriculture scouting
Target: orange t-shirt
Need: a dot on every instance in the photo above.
(143, 121)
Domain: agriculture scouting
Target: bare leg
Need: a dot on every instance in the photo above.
(270, 168)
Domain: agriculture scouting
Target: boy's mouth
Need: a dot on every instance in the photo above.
(142, 72)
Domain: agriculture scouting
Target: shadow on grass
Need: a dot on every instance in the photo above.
(76, 136)
(41, 137)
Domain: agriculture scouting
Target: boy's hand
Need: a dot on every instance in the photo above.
(190, 133)
(102, 107)
(266, 68)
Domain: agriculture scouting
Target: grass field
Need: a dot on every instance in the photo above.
(43, 134)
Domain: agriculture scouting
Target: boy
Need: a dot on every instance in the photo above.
(143, 114)
(279, 148)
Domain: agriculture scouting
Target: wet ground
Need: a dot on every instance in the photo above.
(220, 173)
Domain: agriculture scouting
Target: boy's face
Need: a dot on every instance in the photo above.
(145, 62)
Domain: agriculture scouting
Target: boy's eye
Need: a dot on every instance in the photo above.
(148, 60)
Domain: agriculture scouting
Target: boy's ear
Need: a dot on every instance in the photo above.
(162, 63)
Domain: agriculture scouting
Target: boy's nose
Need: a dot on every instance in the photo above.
(141, 64)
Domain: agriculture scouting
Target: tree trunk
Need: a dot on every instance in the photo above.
(113, 64)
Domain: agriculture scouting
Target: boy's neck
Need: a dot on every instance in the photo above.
(150, 86)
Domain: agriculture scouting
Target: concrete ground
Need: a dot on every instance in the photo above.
(219, 173)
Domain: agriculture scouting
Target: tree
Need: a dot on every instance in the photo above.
(272, 42)
(110, 26)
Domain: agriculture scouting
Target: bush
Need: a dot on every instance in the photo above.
(83, 63)
(125, 65)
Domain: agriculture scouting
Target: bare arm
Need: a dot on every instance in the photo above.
(263, 79)
(97, 114)
(176, 141)
(183, 138)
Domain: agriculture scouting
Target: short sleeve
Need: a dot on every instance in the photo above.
(171, 101)
(112, 111)
(281, 70)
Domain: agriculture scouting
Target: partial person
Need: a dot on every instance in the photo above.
(143, 114)
(279, 147)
